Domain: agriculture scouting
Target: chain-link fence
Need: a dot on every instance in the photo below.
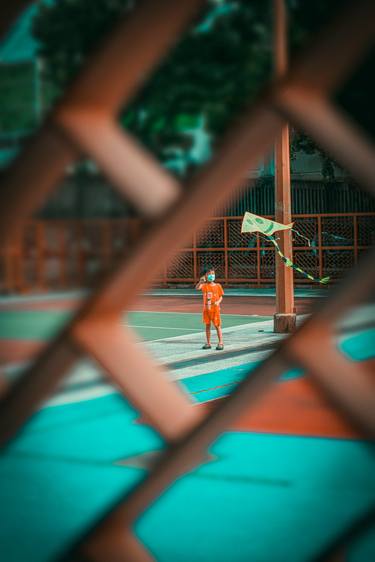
(84, 121)
(61, 254)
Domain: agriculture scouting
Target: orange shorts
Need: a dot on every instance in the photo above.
(212, 315)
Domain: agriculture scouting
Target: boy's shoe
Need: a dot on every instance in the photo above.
(206, 346)
(220, 347)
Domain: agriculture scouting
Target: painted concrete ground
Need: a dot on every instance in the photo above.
(283, 481)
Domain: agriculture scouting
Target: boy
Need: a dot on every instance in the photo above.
(212, 297)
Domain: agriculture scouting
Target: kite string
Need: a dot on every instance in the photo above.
(309, 243)
(289, 263)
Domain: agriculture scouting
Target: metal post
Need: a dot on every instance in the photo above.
(285, 317)
(225, 226)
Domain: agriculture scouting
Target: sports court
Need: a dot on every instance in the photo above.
(87, 441)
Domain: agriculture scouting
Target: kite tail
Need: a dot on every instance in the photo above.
(302, 236)
(289, 263)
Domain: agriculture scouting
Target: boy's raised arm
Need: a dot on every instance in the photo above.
(201, 282)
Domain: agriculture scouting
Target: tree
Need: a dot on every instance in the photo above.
(217, 67)
(68, 31)
(220, 65)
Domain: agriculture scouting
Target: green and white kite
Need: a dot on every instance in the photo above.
(253, 223)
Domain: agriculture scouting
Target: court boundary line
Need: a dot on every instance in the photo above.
(9, 369)
(197, 313)
(99, 386)
(227, 330)
(25, 364)
(299, 293)
(154, 327)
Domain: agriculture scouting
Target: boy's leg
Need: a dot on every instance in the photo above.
(208, 333)
(220, 345)
(217, 324)
(219, 334)
(207, 323)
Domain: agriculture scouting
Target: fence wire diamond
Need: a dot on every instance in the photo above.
(84, 118)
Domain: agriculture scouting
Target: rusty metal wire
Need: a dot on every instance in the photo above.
(88, 113)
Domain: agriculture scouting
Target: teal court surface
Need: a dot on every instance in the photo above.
(281, 484)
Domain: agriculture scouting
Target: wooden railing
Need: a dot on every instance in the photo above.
(64, 254)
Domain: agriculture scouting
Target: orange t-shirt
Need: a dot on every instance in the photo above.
(211, 293)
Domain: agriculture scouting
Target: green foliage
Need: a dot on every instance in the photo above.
(219, 65)
(212, 74)
(305, 19)
(17, 98)
(68, 30)
(300, 142)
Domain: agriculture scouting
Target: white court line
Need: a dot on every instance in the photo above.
(64, 295)
(220, 365)
(225, 331)
(103, 389)
(89, 373)
(70, 397)
(196, 313)
(13, 368)
(303, 293)
(156, 327)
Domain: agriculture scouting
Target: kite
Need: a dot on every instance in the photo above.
(254, 223)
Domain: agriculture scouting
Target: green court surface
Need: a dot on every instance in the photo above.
(221, 382)
(44, 325)
(262, 497)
